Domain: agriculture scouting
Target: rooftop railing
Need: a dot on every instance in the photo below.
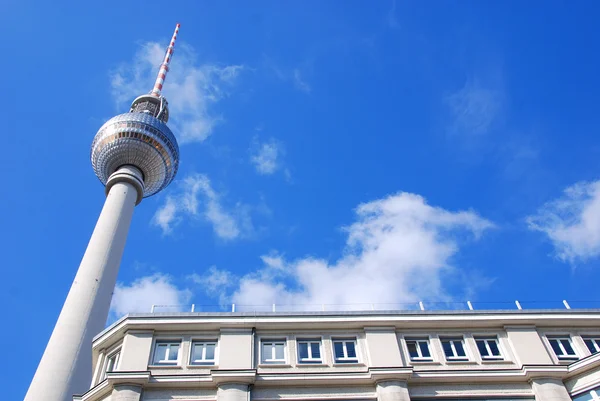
(357, 307)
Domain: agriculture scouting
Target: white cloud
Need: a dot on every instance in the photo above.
(267, 156)
(215, 282)
(196, 198)
(572, 222)
(299, 83)
(397, 251)
(166, 216)
(144, 292)
(474, 108)
(191, 88)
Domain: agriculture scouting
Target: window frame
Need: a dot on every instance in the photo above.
(310, 360)
(455, 357)
(274, 342)
(595, 339)
(169, 342)
(205, 341)
(116, 354)
(559, 338)
(590, 395)
(345, 359)
(490, 356)
(418, 341)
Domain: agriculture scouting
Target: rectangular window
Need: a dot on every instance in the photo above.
(203, 352)
(309, 351)
(593, 395)
(166, 353)
(562, 347)
(454, 349)
(112, 363)
(273, 351)
(345, 351)
(592, 343)
(418, 349)
(488, 347)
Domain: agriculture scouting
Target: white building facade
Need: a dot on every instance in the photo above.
(541, 355)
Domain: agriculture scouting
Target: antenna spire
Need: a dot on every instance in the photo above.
(164, 67)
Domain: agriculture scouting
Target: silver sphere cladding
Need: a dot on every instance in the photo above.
(140, 140)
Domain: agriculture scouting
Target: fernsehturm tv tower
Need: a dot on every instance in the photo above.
(135, 155)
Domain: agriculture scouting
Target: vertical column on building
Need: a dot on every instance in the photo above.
(528, 346)
(233, 392)
(236, 364)
(386, 365)
(126, 392)
(392, 390)
(549, 389)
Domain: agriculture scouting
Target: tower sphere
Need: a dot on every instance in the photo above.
(140, 139)
(137, 139)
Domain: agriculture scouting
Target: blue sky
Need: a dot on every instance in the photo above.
(332, 152)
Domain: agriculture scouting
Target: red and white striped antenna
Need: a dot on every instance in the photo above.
(164, 67)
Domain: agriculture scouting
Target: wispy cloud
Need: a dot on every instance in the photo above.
(391, 19)
(397, 251)
(140, 295)
(299, 83)
(474, 108)
(295, 75)
(267, 157)
(192, 88)
(572, 222)
(215, 283)
(166, 216)
(196, 198)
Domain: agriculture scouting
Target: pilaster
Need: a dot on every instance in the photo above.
(233, 392)
(549, 389)
(392, 390)
(126, 392)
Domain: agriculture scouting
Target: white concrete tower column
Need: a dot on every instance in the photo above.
(549, 389)
(392, 390)
(65, 367)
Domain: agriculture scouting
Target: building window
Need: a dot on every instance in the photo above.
(593, 395)
(454, 349)
(562, 347)
(345, 351)
(488, 347)
(112, 363)
(309, 351)
(592, 343)
(273, 351)
(166, 353)
(418, 349)
(203, 352)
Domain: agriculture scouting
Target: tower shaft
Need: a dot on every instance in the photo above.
(65, 368)
(135, 155)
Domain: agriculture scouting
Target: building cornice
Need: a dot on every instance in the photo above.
(368, 376)
(581, 368)
(113, 379)
(345, 320)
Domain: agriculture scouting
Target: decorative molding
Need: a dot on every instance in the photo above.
(386, 374)
(343, 392)
(472, 390)
(139, 378)
(241, 376)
